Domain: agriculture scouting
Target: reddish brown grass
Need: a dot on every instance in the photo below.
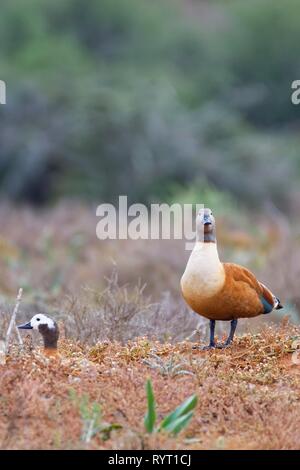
(248, 394)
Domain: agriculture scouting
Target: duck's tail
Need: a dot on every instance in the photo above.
(278, 305)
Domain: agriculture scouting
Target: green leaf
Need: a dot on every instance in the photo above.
(150, 416)
(178, 424)
(188, 405)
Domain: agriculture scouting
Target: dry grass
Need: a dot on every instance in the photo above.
(248, 395)
(121, 313)
(54, 253)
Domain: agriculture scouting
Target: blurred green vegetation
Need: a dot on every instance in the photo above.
(136, 97)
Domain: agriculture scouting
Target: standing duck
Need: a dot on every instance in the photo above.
(221, 291)
(48, 329)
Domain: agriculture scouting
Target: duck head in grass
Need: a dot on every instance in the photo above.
(47, 328)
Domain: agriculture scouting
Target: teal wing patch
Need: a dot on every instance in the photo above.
(267, 306)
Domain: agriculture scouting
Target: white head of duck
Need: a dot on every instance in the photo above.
(47, 328)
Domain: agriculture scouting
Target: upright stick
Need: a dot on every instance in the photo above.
(12, 323)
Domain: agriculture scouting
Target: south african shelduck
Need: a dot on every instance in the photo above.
(221, 291)
(48, 329)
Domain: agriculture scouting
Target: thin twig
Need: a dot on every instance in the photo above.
(12, 323)
(19, 335)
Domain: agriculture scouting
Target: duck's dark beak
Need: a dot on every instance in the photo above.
(207, 220)
(25, 326)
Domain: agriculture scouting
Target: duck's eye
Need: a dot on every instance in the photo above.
(38, 319)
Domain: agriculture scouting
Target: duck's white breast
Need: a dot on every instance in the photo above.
(204, 275)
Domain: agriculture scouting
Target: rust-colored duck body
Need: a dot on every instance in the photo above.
(221, 291)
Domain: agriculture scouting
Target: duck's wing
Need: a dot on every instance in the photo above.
(240, 274)
(267, 294)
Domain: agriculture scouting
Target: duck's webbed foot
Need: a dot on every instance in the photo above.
(210, 346)
(222, 345)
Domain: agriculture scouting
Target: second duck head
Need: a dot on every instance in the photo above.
(47, 328)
